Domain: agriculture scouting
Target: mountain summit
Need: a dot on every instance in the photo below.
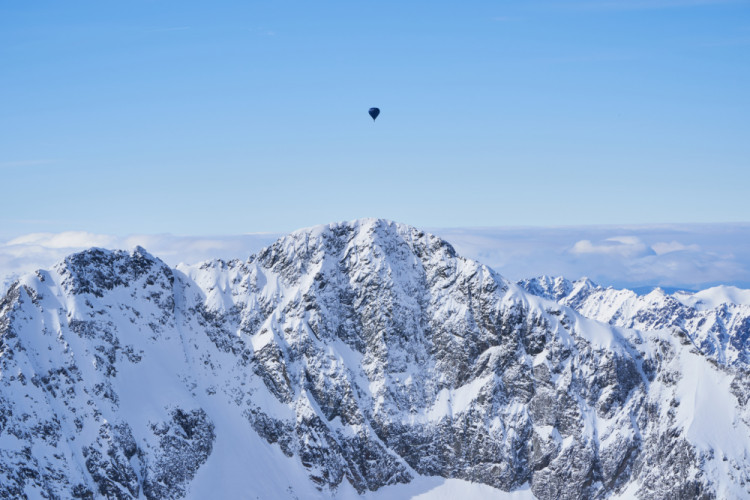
(346, 359)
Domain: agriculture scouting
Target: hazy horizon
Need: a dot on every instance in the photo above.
(686, 256)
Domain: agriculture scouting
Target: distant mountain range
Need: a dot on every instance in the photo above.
(365, 358)
(716, 320)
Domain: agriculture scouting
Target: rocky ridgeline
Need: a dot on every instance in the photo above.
(720, 329)
(365, 353)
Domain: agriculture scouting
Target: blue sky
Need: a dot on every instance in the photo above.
(234, 117)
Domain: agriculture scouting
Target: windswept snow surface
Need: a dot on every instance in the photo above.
(355, 359)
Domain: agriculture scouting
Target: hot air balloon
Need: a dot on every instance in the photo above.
(374, 112)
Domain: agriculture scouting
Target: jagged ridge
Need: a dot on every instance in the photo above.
(363, 353)
(717, 325)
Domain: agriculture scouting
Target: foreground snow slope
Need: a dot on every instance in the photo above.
(354, 358)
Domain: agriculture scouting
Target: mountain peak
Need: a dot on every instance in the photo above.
(97, 270)
(353, 356)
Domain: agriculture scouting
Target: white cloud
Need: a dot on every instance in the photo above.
(625, 246)
(626, 240)
(68, 239)
(673, 246)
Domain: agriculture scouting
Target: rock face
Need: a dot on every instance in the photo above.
(364, 354)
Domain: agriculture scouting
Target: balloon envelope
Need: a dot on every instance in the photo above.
(374, 112)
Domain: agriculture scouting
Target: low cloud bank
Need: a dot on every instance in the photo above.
(691, 256)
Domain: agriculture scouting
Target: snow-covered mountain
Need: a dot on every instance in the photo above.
(716, 320)
(348, 359)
